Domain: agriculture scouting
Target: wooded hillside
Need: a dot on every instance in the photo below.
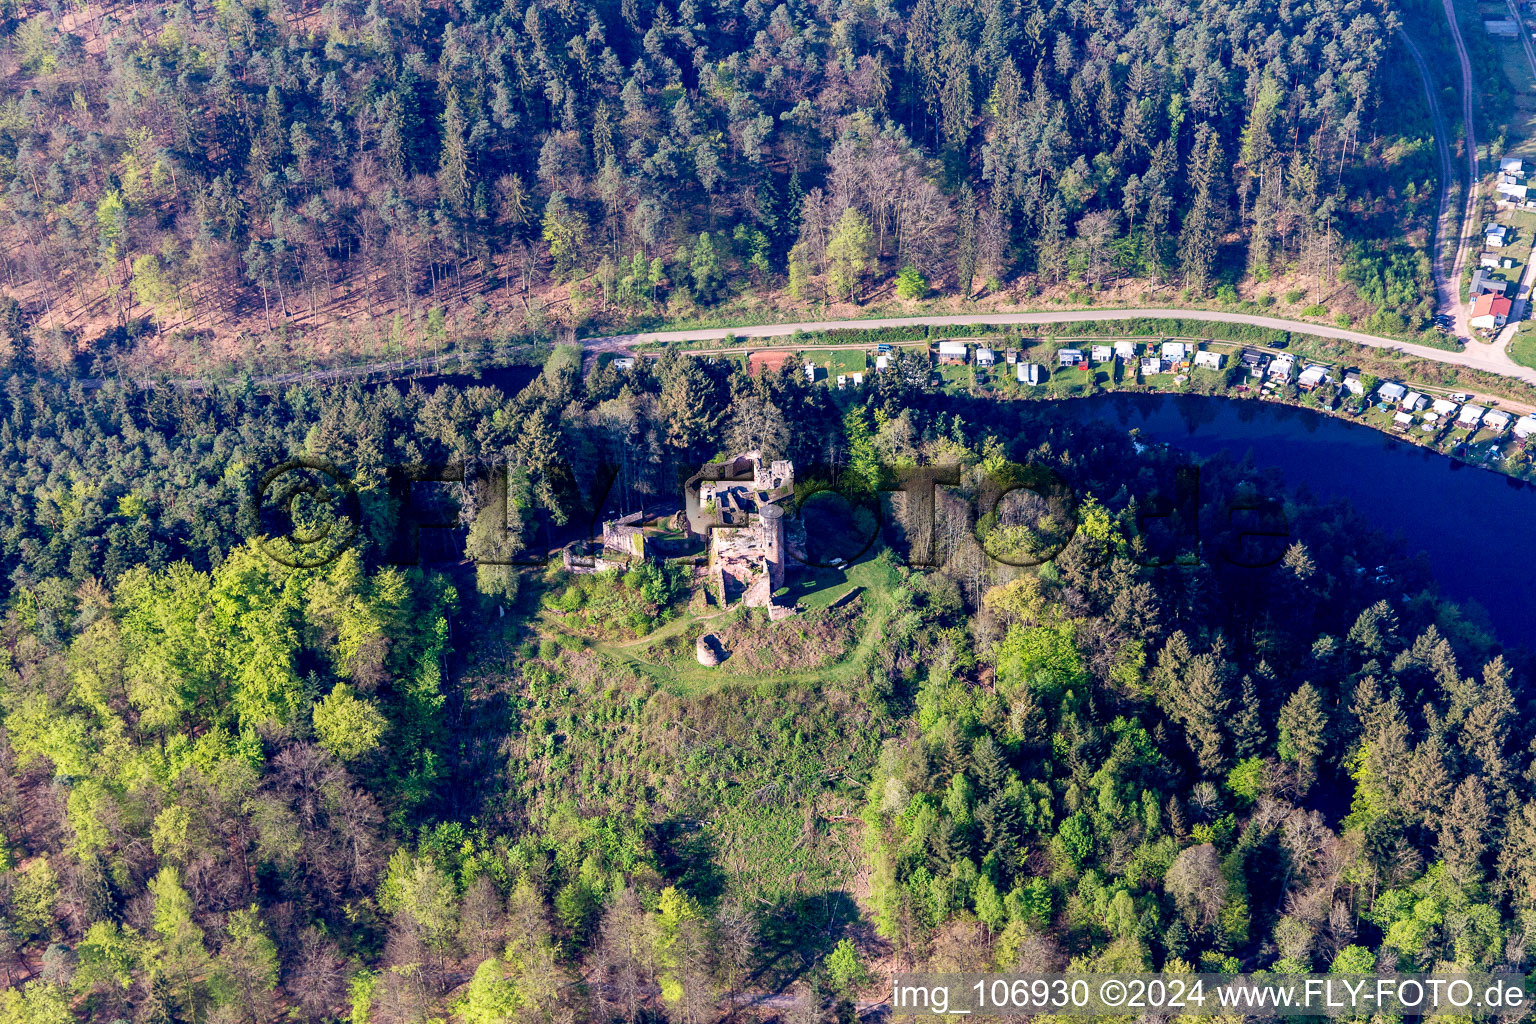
(231, 790)
(200, 184)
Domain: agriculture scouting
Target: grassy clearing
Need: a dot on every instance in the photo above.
(823, 644)
(1522, 349)
(848, 361)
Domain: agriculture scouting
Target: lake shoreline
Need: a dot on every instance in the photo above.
(1473, 527)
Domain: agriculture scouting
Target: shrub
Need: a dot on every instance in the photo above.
(910, 283)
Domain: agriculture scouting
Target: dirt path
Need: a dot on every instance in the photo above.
(1446, 285)
(1464, 243)
(1475, 356)
(1493, 359)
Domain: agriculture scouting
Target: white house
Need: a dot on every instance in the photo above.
(1496, 420)
(1525, 426)
(1125, 350)
(1512, 165)
(882, 362)
(1030, 373)
(1470, 415)
(1511, 189)
(1151, 365)
(1490, 311)
(1391, 392)
(1069, 356)
(1489, 260)
(1102, 353)
(1444, 406)
(952, 352)
(1413, 401)
(1496, 236)
(1311, 377)
(1174, 351)
(1402, 421)
(810, 371)
(985, 356)
(858, 379)
(842, 381)
(1282, 366)
(624, 363)
(1352, 383)
(1210, 360)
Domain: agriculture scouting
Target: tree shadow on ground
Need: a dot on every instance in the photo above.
(798, 934)
(688, 859)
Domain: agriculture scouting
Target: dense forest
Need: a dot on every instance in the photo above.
(199, 185)
(238, 791)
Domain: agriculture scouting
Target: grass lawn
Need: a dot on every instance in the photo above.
(1521, 113)
(1380, 417)
(850, 361)
(1163, 382)
(1522, 349)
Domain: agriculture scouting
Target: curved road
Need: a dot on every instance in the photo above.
(1477, 357)
(1492, 359)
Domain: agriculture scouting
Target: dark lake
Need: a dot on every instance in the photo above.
(1478, 528)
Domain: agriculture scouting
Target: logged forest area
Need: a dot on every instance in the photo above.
(210, 187)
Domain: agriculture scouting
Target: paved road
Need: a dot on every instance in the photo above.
(1493, 359)
(1446, 284)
